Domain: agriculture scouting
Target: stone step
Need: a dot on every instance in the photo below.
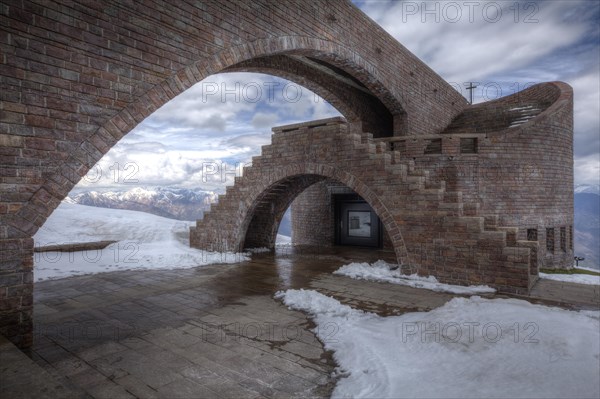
(466, 223)
(415, 179)
(451, 208)
(492, 238)
(453, 196)
(511, 234)
(471, 208)
(491, 222)
(518, 255)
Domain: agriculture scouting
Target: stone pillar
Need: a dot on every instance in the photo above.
(313, 216)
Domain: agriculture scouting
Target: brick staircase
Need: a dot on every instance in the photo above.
(404, 196)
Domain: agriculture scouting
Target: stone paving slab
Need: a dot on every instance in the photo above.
(167, 345)
(21, 377)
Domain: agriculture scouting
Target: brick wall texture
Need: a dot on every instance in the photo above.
(76, 76)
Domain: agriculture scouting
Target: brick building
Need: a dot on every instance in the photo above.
(470, 194)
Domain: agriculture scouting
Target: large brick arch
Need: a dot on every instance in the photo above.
(76, 76)
(63, 175)
(403, 94)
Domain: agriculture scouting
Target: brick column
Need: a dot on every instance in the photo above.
(16, 291)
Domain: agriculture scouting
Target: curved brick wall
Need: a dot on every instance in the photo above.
(268, 209)
(522, 173)
(526, 172)
(299, 156)
(312, 216)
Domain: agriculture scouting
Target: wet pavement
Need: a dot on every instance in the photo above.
(212, 331)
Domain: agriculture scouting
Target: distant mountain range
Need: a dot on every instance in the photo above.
(187, 204)
(587, 224)
(587, 189)
(170, 202)
(174, 203)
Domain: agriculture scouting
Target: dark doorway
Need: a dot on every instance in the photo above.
(356, 222)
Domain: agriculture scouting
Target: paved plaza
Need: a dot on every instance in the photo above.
(213, 331)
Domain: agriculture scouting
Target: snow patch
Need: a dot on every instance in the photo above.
(258, 250)
(573, 278)
(468, 348)
(283, 240)
(382, 271)
(527, 107)
(144, 241)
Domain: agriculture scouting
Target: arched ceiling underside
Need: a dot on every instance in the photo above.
(346, 93)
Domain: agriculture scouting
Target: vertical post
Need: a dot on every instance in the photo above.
(471, 87)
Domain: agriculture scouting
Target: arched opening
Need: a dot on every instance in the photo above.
(120, 174)
(269, 208)
(325, 213)
(313, 57)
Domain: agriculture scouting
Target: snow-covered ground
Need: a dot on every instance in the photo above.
(468, 348)
(381, 271)
(144, 241)
(573, 278)
(283, 240)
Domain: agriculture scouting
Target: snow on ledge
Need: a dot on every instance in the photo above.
(468, 348)
(381, 271)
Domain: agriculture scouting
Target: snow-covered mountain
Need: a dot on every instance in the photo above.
(174, 203)
(587, 188)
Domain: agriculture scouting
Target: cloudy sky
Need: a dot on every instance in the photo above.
(200, 138)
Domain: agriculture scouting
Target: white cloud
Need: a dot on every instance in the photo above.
(264, 120)
(463, 42)
(253, 142)
(587, 107)
(587, 169)
(561, 44)
(203, 137)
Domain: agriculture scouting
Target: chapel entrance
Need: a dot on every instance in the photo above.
(356, 222)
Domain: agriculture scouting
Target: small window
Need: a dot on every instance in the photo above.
(550, 240)
(434, 147)
(563, 239)
(571, 237)
(532, 235)
(468, 145)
